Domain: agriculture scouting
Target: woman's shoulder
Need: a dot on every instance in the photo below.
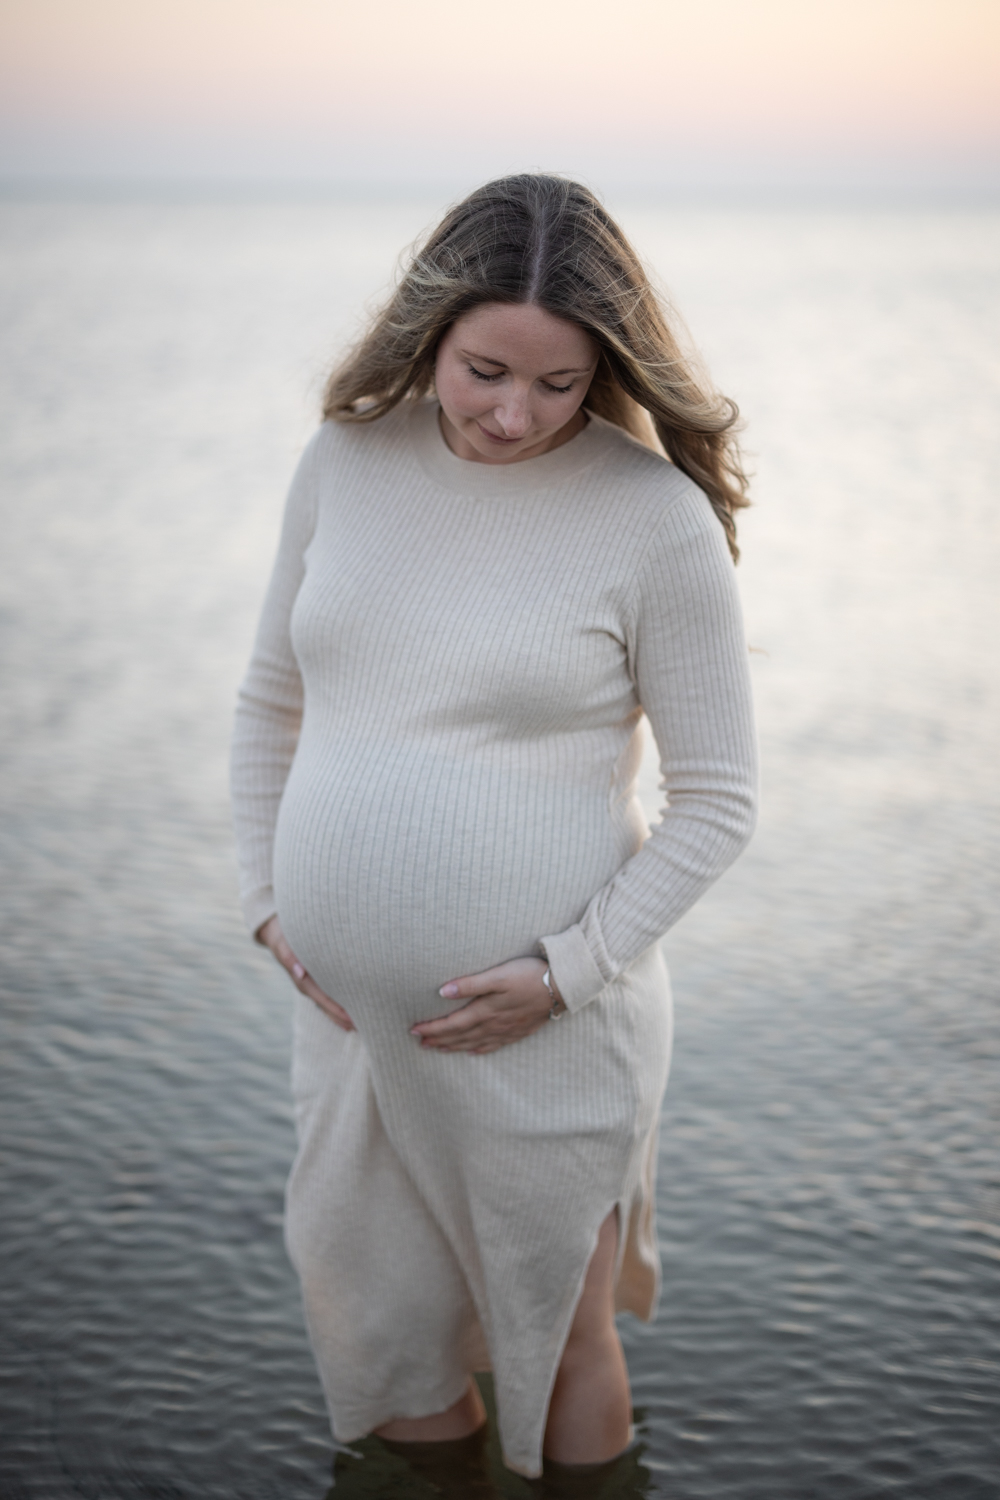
(335, 441)
(656, 490)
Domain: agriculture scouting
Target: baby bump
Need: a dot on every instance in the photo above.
(394, 873)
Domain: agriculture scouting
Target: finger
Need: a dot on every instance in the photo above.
(473, 1032)
(335, 1012)
(287, 959)
(484, 1035)
(455, 1023)
(460, 1044)
(470, 986)
(479, 1024)
(307, 986)
(312, 991)
(488, 1034)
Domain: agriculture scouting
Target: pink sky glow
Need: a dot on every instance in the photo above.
(395, 91)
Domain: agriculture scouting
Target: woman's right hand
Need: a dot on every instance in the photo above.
(271, 935)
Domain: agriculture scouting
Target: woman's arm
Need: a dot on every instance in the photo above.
(688, 657)
(268, 719)
(269, 710)
(689, 661)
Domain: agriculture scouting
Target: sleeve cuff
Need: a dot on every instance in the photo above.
(258, 907)
(577, 977)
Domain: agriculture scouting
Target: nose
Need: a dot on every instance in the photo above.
(512, 414)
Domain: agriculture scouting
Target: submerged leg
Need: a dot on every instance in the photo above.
(590, 1413)
(466, 1416)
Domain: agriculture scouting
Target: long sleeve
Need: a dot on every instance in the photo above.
(269, 709)
(689, 663)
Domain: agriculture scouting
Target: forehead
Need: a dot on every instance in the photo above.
(523, 335)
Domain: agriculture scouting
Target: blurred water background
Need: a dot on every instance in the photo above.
(829, 1191)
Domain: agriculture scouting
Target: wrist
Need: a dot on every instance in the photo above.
(557, 1005)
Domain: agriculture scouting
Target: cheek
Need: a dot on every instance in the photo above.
(554, 413)
(456, 393)
(567, 406)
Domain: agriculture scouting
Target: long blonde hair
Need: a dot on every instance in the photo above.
(545, 240)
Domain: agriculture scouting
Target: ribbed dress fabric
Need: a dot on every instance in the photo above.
(433, 772)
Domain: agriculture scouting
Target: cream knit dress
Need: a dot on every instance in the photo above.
(433, 772)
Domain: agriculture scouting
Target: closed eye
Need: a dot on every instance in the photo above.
(558, 390)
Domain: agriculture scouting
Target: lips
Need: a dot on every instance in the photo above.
(495, 436)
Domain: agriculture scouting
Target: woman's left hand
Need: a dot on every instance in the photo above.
(504, 1005)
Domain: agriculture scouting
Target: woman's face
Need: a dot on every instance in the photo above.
(510, 380)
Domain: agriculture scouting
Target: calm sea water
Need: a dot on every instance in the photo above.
(829, 1180)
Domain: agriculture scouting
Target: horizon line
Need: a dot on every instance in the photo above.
(790, 193)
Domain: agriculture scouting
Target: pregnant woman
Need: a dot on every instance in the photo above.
(506, 543)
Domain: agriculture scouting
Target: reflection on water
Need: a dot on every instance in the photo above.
(828, 1179)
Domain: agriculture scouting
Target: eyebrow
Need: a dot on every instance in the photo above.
(484, 359)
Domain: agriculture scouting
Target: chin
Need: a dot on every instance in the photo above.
(502, 455)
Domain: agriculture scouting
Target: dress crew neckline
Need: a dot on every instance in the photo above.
(527, 475)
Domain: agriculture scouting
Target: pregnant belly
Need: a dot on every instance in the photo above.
(394, 873)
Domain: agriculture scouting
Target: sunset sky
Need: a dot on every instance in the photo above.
(653, 92)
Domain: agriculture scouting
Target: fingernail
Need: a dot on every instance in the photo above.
(414, 1031)
(298, 971)
(448, 991)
